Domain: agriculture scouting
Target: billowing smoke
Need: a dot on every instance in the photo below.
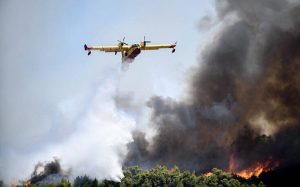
(94, 146)
(47, 172)
(99, 138)
(243, 99)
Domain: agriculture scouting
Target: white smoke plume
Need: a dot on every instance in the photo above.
(96, 145)
(56, 101)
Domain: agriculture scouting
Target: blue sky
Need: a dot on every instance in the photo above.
(43, 65)
(42, 57)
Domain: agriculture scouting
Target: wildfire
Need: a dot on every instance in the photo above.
(27, 183)
(232, 164)
(254, 170)
(257, 168)
(14, 183)
(208, 174)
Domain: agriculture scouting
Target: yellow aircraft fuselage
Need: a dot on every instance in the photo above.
(129, 51)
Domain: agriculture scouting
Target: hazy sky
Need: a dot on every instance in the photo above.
(46, 77)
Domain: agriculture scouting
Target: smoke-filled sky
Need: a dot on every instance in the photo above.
(242, 103)
(230, 92)
(57, 101)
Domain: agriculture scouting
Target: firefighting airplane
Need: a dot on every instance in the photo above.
(129, 51)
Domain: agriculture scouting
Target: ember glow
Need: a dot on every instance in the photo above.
(232, 164)
(254, 170)
(257, 168)
(27, 183)
(248, 173)
(208, 174)
(14, 183)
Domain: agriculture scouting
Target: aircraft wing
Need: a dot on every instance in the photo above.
(159, 46)
(106, 48)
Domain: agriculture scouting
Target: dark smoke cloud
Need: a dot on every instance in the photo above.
(243, 97)
(49, 172)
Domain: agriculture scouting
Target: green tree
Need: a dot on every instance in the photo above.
(163, 177)
(64, 183)
(81, 181)
(261, 184)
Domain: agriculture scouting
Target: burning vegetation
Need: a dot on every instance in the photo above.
(255, 169)
(243, 98)
(158, 176)
(242, 113)
(46, 173)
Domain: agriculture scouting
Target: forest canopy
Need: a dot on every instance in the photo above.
(161, 176)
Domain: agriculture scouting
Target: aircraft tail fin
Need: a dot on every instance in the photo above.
(86, 48)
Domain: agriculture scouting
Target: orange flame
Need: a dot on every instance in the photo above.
(208, 174)
(27, 183)
(254, 170)
(232, 163)
(257, 168)
(14, 183)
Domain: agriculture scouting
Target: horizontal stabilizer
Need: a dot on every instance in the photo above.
(86, 48)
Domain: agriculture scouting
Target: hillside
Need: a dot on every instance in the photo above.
(162, 176)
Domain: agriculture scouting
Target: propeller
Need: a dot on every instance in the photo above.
(146, 41)
(122, 42)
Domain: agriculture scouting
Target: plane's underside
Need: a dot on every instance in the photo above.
(129, 51)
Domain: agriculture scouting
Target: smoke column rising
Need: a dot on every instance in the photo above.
(243, 96)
